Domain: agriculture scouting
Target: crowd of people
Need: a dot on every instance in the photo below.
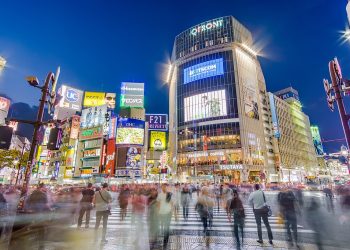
(159, 204)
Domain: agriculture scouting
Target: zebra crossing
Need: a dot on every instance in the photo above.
(193, 223)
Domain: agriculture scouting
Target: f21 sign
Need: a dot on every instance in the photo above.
(157, 121)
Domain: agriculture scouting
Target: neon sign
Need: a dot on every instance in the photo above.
(207, 26)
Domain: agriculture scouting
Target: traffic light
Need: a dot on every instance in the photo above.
(330, 99)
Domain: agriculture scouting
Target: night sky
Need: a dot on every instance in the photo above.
(99, 44)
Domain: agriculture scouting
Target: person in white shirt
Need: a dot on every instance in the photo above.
(258, 201)
(165, 209)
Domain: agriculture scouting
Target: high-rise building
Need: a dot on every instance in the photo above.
(291, 128)
(217, 105)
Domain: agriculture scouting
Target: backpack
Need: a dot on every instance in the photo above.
(202, 210)
(237, 210)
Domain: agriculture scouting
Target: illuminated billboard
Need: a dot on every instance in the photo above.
(93, 117)
(132, 94)
(71, 98)
(276, 130)
(204, 70)
(157, 140)
(130, 131)
(157, 122)
(92, 99)
(4, 104)
(316, 137)
(206, 105)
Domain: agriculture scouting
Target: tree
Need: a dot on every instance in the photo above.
(8, 158)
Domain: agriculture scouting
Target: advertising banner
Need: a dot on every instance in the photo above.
(248, 78)
(157, 140)
(112, 128)
(91, 133)
(206, 105)
(110, 159)
(93, 117)
(276, 130)
(316, 137)
(92, 99)
(130, 131)
(204, 70)
(157, 122)
(74, 132)
(133, 158)
(71, 98)
(132, 94)
(4, 104)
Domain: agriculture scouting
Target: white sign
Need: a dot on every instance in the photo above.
(207, 26)
(231, 167)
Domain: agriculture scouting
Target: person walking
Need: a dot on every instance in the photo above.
(123, 200)
(236, 208)
(258, 200)
(102, 200)
(287, 203)
(165, 209)
(202, 207)
(86, 205)
(185, 201)
(3, 216)
(153, 218)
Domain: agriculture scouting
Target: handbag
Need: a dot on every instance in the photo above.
(109, 207)
(266, 208)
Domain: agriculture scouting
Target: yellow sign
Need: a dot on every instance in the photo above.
(158, 140)
(93, 99)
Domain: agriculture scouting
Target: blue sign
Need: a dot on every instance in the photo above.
(157, 122)
(276, 130)
(204, 70)
(289, 95)
(130, 123)
(72, 95)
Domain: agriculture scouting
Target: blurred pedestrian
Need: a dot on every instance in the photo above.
(138, 209)
(165, 206)
(204, 202)
(185, 201)
(236, 208)
(3, 215)
(153, 219)
(313, 217)
(123, 200)
(287, 203)
(258, 200)
(86, 205)
(102, 200)
(329, 198)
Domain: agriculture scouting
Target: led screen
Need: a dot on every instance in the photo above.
(132, 136)
(203, 70)
(206, 105)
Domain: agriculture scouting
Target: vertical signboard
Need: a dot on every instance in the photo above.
(74, 131)
(316, 137)
(132, 94)
(110, 159)
(276, 130)
(4, 109)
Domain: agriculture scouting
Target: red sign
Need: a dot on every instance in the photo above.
(110, 159)
(4, 104)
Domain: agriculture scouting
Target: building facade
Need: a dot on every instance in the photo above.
(216, 101)
(291, 128)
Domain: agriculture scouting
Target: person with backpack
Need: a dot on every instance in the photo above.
(165, 210)
(287, 203)
(203, 208)
(102, 200)
(261, 211)
(236, 208)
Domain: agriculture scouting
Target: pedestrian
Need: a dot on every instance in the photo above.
(86, 205)
(176, 198)
(38, 204)
(102, 200)
(3, 215)
(185, 201)
(202, 207)
(236, 208)
(288, 203)
(329, 198)
(258, 200)
(123, 200)
(165, 206)
(153, 220)
(138, 209)
(313, 217)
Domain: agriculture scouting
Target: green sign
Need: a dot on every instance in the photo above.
(91, 133)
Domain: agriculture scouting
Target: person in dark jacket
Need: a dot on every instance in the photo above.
(86, 205)
(236, 208)
(185, 201)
